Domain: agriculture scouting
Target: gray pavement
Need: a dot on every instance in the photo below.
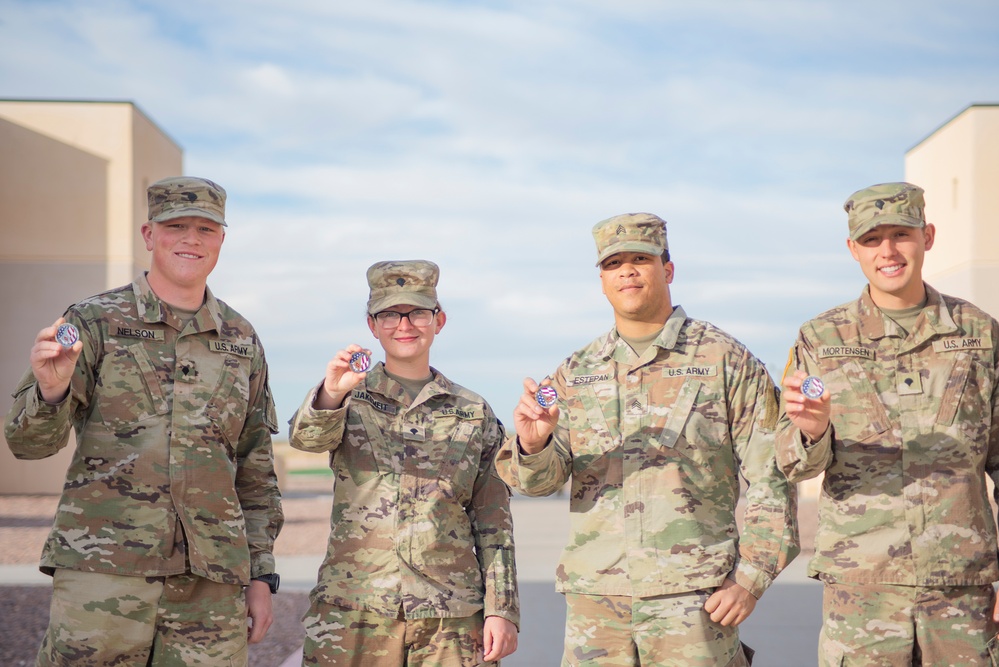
(783, 629)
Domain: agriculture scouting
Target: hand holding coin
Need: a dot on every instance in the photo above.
(535, 416)
(807, 404)
(53, 359)
(343, 373)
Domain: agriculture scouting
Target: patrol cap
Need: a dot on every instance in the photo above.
(181, 196)
(410, 282)
(630, 232)
(885, 204)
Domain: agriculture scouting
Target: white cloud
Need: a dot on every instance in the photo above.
(491, 137)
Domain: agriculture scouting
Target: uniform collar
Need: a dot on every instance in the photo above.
(152, 309)
(378, 382)
(615, 347)
(934, 320)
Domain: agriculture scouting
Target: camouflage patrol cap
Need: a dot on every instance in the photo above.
(181, 196)
(405, 282)
(885, 204)
(630, 232)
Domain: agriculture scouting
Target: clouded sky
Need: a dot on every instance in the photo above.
(489, 137)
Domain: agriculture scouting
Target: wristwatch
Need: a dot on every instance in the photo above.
(273, 580)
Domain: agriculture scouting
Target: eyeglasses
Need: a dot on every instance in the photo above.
(390, 319)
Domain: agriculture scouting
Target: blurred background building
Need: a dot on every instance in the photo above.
(73, 178)
(958, 166)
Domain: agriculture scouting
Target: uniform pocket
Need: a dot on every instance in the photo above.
(689, 433)
(128, 389)
(229, 402)
(240, 658)
(678, 416)
(590, 446)
(355, 457)
(454, 459)
(993, 647)
(858, 413)
(967, 398)
(743, 658)
(460, 466)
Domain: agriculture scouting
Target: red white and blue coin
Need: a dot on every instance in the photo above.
(360, 362)
(67, 335)
(813, 387)
(546, 396)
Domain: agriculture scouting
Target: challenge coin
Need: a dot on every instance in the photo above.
(546, 396)
(360, 362)
(67, 334)
(813, 387)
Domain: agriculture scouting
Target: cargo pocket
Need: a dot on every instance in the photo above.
(743, 657)
(240, 658)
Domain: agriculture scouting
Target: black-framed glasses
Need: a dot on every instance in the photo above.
(420, 317)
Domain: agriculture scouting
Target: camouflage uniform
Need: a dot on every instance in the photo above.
(906, 542)
(102, 619)
(913, 426)
(654, 446)
(420, 524)
(173, 470)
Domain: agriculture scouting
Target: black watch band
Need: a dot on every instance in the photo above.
(273, 580)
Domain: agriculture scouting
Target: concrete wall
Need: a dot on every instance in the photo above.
(958, 166)
(73, 177)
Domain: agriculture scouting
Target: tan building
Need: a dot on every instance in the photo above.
(958, 166)
(73, 178)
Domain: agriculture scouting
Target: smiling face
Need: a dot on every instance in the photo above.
(406, 345)
(185, 250)
(891, 257)
(637, 286)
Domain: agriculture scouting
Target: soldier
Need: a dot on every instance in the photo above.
(905, 433)
(170, 506)
(654, 421)
(420, 568)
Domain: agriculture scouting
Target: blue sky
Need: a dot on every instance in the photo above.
(489, 137)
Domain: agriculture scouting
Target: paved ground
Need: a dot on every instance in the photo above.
(783, 629)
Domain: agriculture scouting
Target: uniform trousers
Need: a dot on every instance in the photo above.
(878, 625)
(336, 635)
(666, 631)
(101, 619)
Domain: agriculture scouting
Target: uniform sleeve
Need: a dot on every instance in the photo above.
(769, 539)
(314, 430)
(799, 459)
(256, 481)
(35, 429)
(492, 528)
(545, 472)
